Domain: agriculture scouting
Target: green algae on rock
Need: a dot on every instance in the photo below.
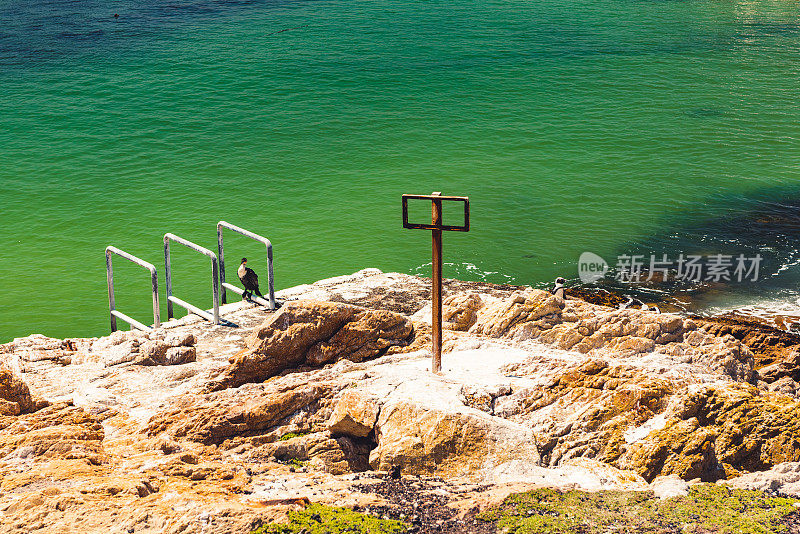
(708, 509)
(319, 519)
(290, 435)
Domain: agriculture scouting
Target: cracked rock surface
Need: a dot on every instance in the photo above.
(204, 428)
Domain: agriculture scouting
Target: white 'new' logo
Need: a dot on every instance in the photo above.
(591, 267)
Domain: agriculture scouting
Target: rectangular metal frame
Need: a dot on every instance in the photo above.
(438, 199)
(112, 311)
(436, 227)
(221, 250)
(214, 279)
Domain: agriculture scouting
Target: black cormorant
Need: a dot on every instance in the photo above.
(249, 279)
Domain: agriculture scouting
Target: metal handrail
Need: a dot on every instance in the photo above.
(214, 279)
(112, 311)
(221, 250)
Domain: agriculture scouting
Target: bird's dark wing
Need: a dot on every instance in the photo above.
(250, 279)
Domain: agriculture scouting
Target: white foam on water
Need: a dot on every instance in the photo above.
(767, 309)
(465, 267)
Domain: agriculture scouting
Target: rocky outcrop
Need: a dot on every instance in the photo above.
(783, 478)
(587, 411)
(776, 352)
(426, 438)
(460, 311)
(768, 344)
(585, 328)
(204, 428)
(172, 350)
(522, 315)
(57, 431)
(717, 432)
(37, 348)
(314, 333)
(121, 347)
(15, 397)
(140, 348)
(320, 451)
(229, 418)
(355, 414)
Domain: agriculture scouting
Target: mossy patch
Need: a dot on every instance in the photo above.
(319, 519)
(290, 435)
(708, 509)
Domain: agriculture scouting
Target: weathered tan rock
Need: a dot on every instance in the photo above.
(537, 308)
(717, 432)
(460, 311)
(483, 396)
(423, 429)
(577, 473)
(39, 348)
(783, 478)
(369, 334)
(180, 339)
(180, 355)
(15, 397)
(788, 367)
(682, 447)
(584, 328)
(586, 411)
(769, 345)
(56, 431)
(252, 410)
(335, 455)
(669, 486)
(151, 352)
(569, 394)
(313, 333)
(355, 414)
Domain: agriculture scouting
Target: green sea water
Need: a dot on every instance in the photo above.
(572, 125)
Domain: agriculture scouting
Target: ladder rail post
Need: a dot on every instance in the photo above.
(261, 239)
(168, 277)
(112, 308)
(270, 278)
(214, 275)
(215, 287)
(110, 283)
(221, 255)
(156, 303)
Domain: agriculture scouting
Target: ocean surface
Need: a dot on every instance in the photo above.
(624, 127)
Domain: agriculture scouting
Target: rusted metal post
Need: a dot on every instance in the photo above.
(436, 227)
(436, 285)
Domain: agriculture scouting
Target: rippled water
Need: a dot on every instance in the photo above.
(572, 125)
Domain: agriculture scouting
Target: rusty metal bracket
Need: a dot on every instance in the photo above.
(434, 225)
(436, 228)
(114, 314)
(221, 249)
(214, 279)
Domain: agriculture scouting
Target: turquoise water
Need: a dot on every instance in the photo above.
(571, 125)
